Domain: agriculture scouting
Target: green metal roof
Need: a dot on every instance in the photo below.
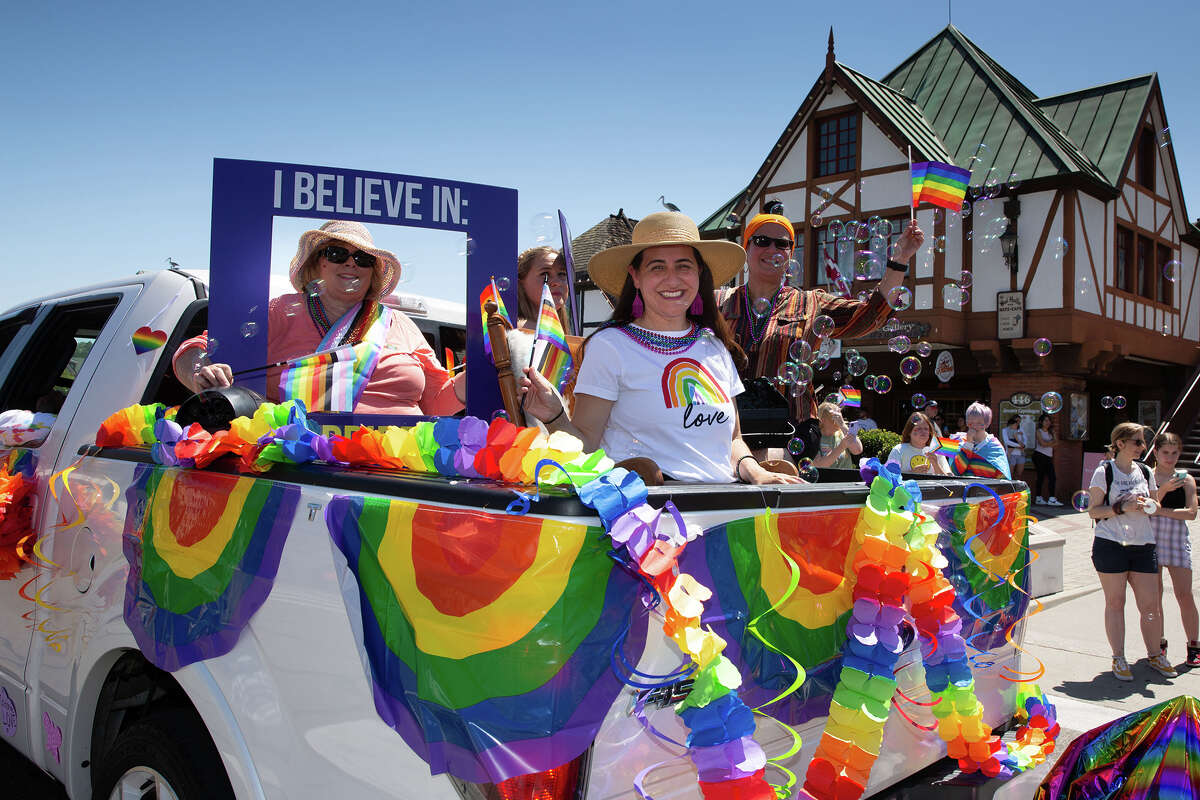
(1102, 120)
(978, 109)
(716, 220)
(902, 113)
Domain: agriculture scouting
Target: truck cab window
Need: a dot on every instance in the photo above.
(46, 370)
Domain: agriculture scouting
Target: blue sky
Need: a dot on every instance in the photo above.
(114, 112)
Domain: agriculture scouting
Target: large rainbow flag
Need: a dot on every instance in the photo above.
(941, 184)
(203, 549)
(488, 637)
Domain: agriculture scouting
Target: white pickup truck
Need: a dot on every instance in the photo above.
(289, 706)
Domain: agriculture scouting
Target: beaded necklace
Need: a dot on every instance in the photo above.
(362, 320)
(662, 343)
(758, 322)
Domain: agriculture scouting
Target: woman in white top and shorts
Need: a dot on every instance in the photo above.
(658, 381)
(1123, 551)
(1014, 446)
(1177, 500)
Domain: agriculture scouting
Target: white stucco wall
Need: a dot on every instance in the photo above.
(794, 165)
(1089, 224)
(836, 98)
(1187, 285)
(877, 150)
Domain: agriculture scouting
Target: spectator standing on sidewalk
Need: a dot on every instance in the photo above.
(1043, 461)
(1177, 498)
(1014, 446)
(1123, 551)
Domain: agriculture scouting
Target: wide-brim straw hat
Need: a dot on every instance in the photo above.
(608, 268)
(352, 233)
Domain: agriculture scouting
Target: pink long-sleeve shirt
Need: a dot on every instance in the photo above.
(408, 379)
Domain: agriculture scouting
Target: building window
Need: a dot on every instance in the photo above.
(1145, 159)
(1124, 261)
(1145, 270)
(837, 144)
(843, 250)
(1164, 285)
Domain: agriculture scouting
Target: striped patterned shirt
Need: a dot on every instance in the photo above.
(791, 319)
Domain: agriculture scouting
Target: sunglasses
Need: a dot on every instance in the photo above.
(1138, 442)
(758, 240)
(338, 255)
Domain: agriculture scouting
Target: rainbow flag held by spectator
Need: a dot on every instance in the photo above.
(968, 462)
(555, 361)
(851, 397)
(940, 184)
(947, 447)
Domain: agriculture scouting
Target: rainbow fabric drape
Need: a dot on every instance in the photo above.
(203, 549)
(488, 637)
(1154, 753)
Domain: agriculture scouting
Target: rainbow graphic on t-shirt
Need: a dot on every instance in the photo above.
(685, 382)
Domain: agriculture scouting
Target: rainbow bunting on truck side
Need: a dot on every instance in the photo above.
(488, 638)
(941, 184)
(203, 549)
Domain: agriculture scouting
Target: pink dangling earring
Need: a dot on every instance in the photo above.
(697, 306)
(639, 307)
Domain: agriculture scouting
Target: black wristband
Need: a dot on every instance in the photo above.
(555, 417)
(737, 468)
(897, 266)
(1116, 507)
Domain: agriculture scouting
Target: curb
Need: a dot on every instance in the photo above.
(1066, 596)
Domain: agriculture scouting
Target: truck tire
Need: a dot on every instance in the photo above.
(166, 756)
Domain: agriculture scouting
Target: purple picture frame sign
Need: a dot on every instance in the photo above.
(248, 195)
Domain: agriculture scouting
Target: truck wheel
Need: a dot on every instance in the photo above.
(166, 756)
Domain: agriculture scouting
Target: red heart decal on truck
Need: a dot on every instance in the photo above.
(145, 340)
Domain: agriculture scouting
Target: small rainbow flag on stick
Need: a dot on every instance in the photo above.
(490, 292)
(332, 380)
(947, 447)
(851, 397)
(941, 184)
(555, 362)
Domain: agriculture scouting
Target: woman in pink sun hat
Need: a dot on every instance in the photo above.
(340, 278)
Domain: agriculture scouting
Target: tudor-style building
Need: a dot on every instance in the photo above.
(1088, 185)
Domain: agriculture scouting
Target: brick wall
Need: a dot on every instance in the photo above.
(1068, 455)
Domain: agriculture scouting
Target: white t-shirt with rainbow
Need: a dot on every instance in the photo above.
(676, 408)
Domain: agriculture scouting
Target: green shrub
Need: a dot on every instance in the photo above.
(877, 443)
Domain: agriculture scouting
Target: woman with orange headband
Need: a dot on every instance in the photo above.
(767, 315)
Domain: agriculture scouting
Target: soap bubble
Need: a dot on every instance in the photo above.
(820, 363)
(991, 186)
(315, 288)
(793, 271)
(883, 384)
(1042, 347)
(732, 219)
(1059, 248)
(778, 260)
(835, 230)
(833, 397)
(800, 351)
(499, 413)
(919, 400)
(878, 245)
(863, 232)
(939, 244)
(954, 296)
(804, 374)
(850, 353)
(822, 326)
(893, 324)
(899, 344)
(863, 296)
(502, 283)
(837, 376)
(467, 247)
(965, 279)
(1081, 500)
(873, 224)
(762, 306)
(816, 220)
(249, 330)
(1171, 270)
(807, 470)
(212, 346)
(900, 298)
(1106, 402)
(910, 367)
(788, 372)
(353, 285)
(795, 446)
(544, 227)
(1163, 137)
(1014, 181)
(966, 209)
(924, 349)
(868, 265)
(1119, 402)
(869, 382)
(856, 366)
(1052, 402)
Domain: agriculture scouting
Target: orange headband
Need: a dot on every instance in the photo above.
(762, 219)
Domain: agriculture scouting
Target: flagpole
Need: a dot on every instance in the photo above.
(912, 211)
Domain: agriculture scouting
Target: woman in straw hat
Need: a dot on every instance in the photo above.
(658, 380)
(340, 277)
(767, 316)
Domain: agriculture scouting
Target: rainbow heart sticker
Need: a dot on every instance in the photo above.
(145, 340)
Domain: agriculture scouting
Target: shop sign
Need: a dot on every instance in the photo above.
(1010, 315)
(1021, 399)
(943, 368)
